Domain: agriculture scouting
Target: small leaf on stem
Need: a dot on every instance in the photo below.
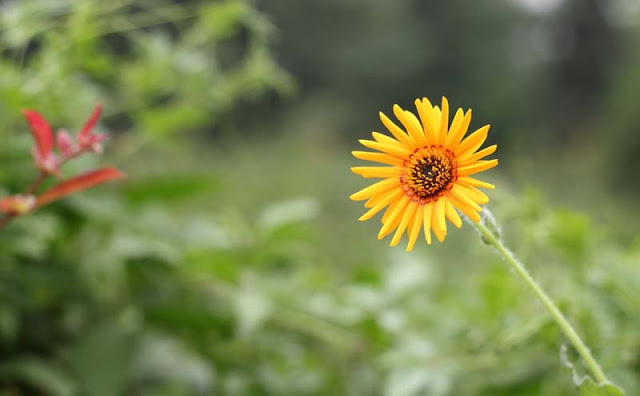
(86, 138)
(92, 121)
(490, 222)
(585, 384)
(41, 132)
(43, 154)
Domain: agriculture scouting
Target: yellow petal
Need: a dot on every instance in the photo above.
(475, 194)
(376, 199)
(407, 217)
(444, 122)
(377, 157)
(435, 117)
(414, 232)
(394, 217)
(373, 201)
(400, 152)
(461, 201)
(389, 210)
(377, 171)
(396, 131)
(438, 223)
(456, 134)
(476, 167)
(382, 138)
(468, 210)
(452, 215)
(390, 197)
(470, 181)
(415, 129)
(459, 192)
(472, 142)
(375, 189)
(428, 214)
(471, 157)
(424, 112)
(455, 125)
(439, 234)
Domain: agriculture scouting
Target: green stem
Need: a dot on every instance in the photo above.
(560, 319)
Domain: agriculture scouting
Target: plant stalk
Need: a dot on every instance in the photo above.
(561, 320)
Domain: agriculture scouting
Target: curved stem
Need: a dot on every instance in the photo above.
(36, 183)
(560, 319)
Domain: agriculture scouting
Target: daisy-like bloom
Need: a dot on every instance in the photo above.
(429, 174)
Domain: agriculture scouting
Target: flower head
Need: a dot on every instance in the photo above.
(429, 173)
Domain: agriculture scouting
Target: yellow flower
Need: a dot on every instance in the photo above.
(430, 170)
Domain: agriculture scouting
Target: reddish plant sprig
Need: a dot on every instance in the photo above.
(49, 164)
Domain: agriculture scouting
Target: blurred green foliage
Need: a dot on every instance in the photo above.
(238, 268)
(160, 67)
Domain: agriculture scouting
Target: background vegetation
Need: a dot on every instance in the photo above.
(230, 262)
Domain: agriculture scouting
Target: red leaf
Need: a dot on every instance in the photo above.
(78, 183)
(92, 121)
(41, 132)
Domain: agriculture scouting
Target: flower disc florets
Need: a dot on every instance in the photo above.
(429, 172)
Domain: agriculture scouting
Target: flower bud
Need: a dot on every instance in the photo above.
(16, 205)
(66, 145)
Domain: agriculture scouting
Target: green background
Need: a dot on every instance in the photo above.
(231, 262)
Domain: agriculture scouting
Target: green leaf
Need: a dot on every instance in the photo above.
(569, 233)
(585, 384)
(39, 374)
(170, 188)
(490, 222)
(288, 212)
(101, 360)
(589, 388)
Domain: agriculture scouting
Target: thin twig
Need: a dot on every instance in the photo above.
(36, 183)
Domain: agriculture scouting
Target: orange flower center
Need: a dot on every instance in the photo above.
(429, 172)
